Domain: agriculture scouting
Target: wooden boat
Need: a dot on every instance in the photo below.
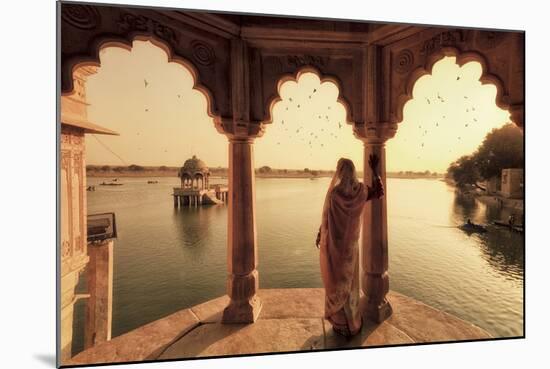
(516, 228)
(473, 228)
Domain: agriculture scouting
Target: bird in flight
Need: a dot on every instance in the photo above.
(457, 78)
(428, 100)
(145, 82)
(146, 109)
(314, 90)
(179, 96)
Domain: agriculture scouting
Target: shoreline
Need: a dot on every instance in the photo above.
(170, 173)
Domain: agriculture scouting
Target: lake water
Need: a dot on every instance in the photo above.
(167, 259)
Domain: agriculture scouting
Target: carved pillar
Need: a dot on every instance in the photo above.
(242, 253)
(375, 278)
(99, 309)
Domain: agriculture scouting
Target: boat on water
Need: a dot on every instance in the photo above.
(110, 184)
(470, 227)
(516, 228)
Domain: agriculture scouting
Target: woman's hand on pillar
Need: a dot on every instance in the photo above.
(318, 240)
(374, 160)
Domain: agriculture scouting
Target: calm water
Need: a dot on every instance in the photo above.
(166, 259)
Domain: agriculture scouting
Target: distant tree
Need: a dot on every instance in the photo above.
(105, 168)
(314, 173)
(463, 171)
(426, 173)
(435, 174)
(118, 169)
(265, 169)
(135, 168)
(502, 148)
(163, 167)
(306, 170)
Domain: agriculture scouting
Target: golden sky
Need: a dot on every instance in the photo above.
(163, 121)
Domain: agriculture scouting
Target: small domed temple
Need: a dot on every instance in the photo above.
(195, 187)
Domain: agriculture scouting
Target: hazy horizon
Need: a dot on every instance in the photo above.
(163, 121)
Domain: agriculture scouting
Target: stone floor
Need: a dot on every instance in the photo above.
(290, 320)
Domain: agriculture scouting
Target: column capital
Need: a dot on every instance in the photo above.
(238, 130)
(373, 133)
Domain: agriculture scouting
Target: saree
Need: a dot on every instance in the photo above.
(339, 256)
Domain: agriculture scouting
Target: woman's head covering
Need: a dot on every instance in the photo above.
(345, 173)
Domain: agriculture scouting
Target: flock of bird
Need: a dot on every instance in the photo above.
(440, 99)
(313, 136)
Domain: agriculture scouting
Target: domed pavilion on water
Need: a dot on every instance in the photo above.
(195, 187)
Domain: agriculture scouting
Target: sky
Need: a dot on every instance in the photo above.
(162, 120)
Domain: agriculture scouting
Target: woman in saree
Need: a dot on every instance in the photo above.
(338, 240)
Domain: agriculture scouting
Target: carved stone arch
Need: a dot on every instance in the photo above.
(499, 53)
(85, 29)
(502, 100)
(276, 97)
(127, 45)
(272, 63)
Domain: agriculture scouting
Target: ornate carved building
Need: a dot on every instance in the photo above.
(240, 61)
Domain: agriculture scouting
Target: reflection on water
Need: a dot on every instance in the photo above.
(499, 246)
(166, 259)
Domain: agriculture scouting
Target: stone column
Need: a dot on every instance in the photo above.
(375, 279)
(99, 309)
(242, 252)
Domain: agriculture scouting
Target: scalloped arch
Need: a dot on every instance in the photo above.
(295, 77)
(104, 42)
(462, 58)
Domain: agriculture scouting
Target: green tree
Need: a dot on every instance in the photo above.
(502, 148)
(463, 171)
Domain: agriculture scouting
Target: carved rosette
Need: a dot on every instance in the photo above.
(404, 61)
(203, 53)
(80, 16)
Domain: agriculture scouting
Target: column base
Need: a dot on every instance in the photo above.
(246, 311)
(377, 312)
